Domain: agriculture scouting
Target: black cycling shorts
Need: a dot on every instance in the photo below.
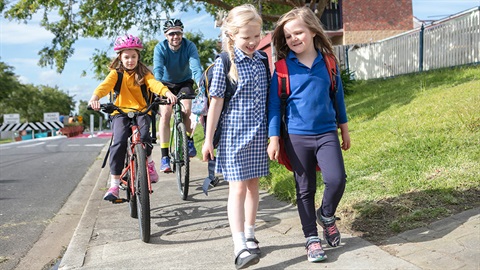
(183, 87)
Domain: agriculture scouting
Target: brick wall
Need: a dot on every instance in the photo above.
(361, 15)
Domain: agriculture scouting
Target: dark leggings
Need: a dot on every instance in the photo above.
(121, 131)
(305, 152)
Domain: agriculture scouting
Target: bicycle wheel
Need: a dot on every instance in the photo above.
(182, 161)
(142, 193)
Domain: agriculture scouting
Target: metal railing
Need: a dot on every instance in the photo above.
(450, 42)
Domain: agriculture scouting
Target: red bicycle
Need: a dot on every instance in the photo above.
(135, 179)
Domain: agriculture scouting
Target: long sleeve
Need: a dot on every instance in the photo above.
(194, 63)
(155, 86)
(158, 62)
(105, 87)
(273, 108)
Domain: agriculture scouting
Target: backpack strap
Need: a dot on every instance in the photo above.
(118, 85)
(332, 72)
(146, 94)
(267, 65)
(231, 88)
(229, 92)
(283, 92)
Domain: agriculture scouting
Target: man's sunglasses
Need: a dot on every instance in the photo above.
(175, 34)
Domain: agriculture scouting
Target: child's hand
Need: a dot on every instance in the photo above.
(207, 151)
(345, 136)
(171, 97)
(273, 148)
(94, 103)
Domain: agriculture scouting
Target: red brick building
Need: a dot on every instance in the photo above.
(369, 21)
(358, 21)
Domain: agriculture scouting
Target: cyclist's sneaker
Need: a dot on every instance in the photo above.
(152, 172)
(192, 152)
(330, 230)
(165, 165)
(112, 194)
(315, 252)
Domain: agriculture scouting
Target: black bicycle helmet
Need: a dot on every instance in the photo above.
(172, 23)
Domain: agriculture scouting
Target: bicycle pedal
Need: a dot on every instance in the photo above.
(120, 200)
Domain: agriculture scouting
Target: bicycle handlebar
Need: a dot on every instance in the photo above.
(110, 108)
(182, 95)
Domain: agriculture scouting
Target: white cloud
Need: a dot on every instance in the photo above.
(81, 91)
(23, 62)
(11, 33)
(23, 80)
(49, 77)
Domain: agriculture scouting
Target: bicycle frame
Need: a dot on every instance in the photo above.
(178, 150)
(133, 140)
(136, 166)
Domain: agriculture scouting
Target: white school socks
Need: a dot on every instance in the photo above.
(239, 244)
(114, 182)
(249, 231)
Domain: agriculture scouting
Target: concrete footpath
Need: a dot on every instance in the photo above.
(194, 234)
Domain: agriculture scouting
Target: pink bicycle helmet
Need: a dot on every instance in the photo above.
(127, 42)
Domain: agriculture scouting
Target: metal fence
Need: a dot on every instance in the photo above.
(450, 42)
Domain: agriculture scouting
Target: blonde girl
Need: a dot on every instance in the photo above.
(241, 154)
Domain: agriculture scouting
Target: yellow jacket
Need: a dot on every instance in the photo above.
(130, 97)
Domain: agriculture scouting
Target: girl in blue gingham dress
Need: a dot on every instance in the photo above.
(242, 152)
(242, 149)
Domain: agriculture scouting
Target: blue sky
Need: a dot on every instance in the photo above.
(20, 44)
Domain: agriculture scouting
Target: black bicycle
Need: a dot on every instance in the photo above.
(135, 179)
(178, 151)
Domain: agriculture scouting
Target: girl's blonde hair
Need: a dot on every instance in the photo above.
(140, 70)
(237, 18)
(320, 41)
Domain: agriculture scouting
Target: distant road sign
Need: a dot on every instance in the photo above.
(51, 116)
(13, 118)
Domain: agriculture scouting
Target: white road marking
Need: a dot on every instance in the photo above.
(31, 145)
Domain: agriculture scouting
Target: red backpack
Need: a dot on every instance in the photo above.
(284, 93)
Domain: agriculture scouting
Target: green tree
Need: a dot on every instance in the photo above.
(24, 102)
(108, 18)
(207, 48)
(30, 101)
(52, 99)
(8, 82)
(85, 113)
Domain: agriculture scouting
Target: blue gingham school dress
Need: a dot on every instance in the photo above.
(242, 150)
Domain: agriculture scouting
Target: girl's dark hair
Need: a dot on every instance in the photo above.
(320, 41)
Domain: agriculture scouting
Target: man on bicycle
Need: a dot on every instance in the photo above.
(176, 64)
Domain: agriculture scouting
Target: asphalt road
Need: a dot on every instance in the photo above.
(36, 179)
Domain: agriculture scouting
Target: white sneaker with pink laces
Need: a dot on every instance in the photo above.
(112, 194)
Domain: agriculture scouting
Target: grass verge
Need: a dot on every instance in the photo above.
(415, 155)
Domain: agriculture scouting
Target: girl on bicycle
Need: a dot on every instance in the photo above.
(241, 154)
(130, 98)
(312, 124)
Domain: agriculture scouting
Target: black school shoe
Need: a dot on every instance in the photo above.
(254, 250)
(242, 263)
(214, 182)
